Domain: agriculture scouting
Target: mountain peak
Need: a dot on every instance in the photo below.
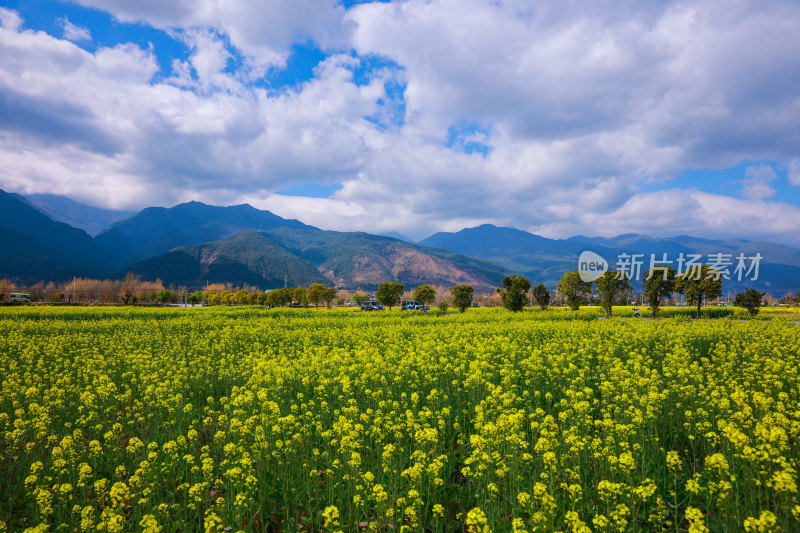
(154, 231)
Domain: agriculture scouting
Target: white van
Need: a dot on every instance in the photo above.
(19, 297)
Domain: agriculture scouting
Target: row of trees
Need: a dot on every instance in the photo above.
(389, 294)
(131, 289)
(698, 284)
(316, 295)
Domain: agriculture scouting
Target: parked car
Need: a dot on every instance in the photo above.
(411, 305)
(371, 305)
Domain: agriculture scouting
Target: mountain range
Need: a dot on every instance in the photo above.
(193, 243)
(545, 260)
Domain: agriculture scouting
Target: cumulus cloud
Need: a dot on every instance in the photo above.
(103, 113)
(72, 32)
(576, 107)
(757, 184)
(794, 172)
(208, 59)
(9, 19)
(262, 31)
(659, 74)
(671, 212)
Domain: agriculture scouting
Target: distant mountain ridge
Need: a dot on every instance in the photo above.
(774, 253)
(18, 214)
(545, 260)
(156, 230)
(91, 219)
(30, 260)
(195, 242)
(488, 240)
(166, 238)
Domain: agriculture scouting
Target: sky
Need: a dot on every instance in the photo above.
(415, 116)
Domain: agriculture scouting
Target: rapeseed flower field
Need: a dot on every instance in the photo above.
(246, 419)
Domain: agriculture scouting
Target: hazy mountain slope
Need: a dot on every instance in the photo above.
(545, 260)
(91, 219)
(772, 253)
(398, 236)
(157, 230)
(779, 270)
(30, 260)
(249, 258)
(16, 213)
(492, 241)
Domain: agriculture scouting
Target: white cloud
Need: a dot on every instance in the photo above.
(662, 73)
(101, 112)
(10, 20)
(757, 185)
(72, 32)
(208, 60)
(581, 104)
(794, 172)
(671, 212)
(262, 31)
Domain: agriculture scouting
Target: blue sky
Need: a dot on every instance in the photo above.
(106, 31)
(731, 180)
(414, 116)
